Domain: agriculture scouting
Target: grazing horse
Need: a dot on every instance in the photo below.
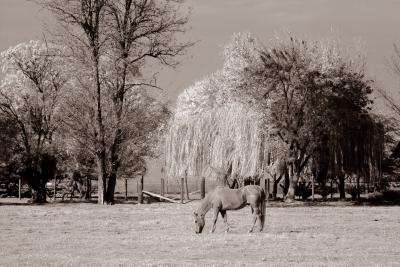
(222, 199)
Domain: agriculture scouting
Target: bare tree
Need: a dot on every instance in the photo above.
(112, 40)
(394, 66)
(138, 30)
(84, 24)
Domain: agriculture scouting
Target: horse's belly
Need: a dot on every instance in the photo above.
(234, 204)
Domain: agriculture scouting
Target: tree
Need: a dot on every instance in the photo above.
(112, 40)
(214, 131)
(306, 85)
(313, 94)
(392, 121)
(9, 147)
(273, 105)
(83, 21)
(138, 30)
(394, 66)
(29, 97)
(8, 134)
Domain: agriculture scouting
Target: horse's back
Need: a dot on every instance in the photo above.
(231, 199)
(253, 190)
(227, 199)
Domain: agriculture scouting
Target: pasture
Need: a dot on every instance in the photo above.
(85, 234)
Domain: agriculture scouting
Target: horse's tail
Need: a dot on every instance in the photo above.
(263, 208)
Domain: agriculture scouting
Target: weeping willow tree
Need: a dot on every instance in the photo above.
(214, 131)
(209, 144)
(269, 105)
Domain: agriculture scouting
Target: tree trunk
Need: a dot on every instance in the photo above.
(275, 186)
(290, 196)
(101, 179)
(286, 183)
(267, 187)
(101, 149)
(293, 177)
(342, 191)
(39, 193)
(115, 148)
(112, 180)
(37, 185)
(88, 195)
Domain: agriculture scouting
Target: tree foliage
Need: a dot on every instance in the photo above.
(303, 93)
(29, 97)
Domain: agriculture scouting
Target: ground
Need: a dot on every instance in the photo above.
(86, 234)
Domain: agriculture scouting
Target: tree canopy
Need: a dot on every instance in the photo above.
(30, 97)
(282, 101)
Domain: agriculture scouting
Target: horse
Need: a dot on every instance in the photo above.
(222, 199)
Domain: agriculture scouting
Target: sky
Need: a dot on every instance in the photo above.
(213, 22)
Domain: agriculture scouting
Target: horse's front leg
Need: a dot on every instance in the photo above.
(256, 214)
(215, 217)
(225, 217)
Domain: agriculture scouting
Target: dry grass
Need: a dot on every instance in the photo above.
(162, 234)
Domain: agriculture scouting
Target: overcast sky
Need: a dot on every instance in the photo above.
(214, 21)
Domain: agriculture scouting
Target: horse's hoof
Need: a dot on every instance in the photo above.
(250, 231)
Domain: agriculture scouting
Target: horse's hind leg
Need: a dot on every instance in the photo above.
(256, 214)
(225, 217)
(215, 217)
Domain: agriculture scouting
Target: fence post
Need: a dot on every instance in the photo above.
(90, 188)
(331, 189)
(186, 186)
(19, 188)
(162, 189)
(202, 187)
(55, 189)
(182, 188)
(126, 188)
(140, 190)
(312, 188)
(358, 188)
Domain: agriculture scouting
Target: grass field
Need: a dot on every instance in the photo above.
(84, 234)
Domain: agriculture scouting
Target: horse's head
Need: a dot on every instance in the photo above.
(199, 222)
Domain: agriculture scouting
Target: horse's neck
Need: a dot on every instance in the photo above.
(205, 205)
